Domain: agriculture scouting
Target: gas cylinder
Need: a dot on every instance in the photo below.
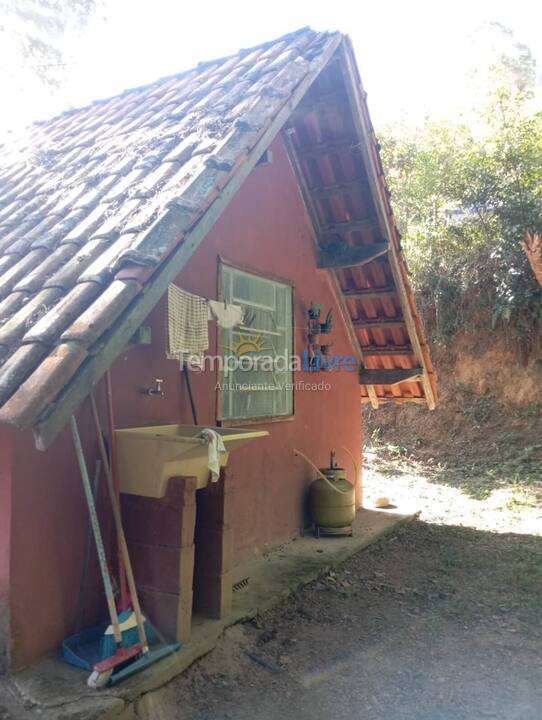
(333, 503)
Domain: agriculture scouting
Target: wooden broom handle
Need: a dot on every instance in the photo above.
(115, 474)
(118, 527)
(95, 523)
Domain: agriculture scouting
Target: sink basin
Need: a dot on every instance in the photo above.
(149, 456)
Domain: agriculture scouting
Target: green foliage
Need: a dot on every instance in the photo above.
(464, 195)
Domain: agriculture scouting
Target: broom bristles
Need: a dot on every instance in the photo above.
(129, 634)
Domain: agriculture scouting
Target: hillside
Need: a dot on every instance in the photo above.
(486, 432)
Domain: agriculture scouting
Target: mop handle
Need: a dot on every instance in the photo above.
(96, 530)
(113, 462)
(86, 557)
(117, 519)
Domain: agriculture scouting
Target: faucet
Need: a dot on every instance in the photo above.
(157, 389)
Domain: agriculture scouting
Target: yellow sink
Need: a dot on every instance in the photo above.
(149, 456)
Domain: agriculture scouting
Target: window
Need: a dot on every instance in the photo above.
(257, 379)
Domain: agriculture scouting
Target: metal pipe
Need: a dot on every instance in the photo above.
(190, 396)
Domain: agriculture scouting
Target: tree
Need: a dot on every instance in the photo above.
(34, 30)
(466, 194)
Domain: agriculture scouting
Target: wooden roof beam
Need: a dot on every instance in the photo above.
(378, 323)
(389, 377)
(352, 225)
(348, 256)
(377, 350)
(371, 293)
(334, 281)
(330, 102)
(345, 188)
(395, 400)
(331, 96)
(329, 148)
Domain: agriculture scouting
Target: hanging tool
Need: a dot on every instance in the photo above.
(115, 507)
(102, 671)
(124, 600)
(79, 621)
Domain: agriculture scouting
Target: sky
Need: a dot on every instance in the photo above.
(415, 57)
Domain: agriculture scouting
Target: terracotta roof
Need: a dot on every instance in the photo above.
(101, 207)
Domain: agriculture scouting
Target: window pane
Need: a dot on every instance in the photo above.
(259, 391)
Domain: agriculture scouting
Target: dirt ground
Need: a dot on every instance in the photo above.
(440, 621)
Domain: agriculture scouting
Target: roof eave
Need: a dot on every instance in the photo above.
(386, 221)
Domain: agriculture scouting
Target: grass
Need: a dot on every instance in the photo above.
(505, 496)
(506, 464)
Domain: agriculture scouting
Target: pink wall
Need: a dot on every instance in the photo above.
(266, 229)
(49, 524)
(6, 455)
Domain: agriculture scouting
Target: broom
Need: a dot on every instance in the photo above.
(120, 655)
(132, 623)
(127, 616)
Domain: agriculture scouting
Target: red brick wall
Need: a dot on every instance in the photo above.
(266, 229)
(160, 536)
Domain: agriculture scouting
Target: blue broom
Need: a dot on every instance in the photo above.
(121, 654)
(122, 650)
(135, 629)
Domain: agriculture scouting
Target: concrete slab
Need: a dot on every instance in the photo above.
(56, 691)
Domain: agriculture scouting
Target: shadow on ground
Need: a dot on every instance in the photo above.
(435, 623)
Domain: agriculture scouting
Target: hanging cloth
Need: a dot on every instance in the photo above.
(226, 314)
(215, 446)
(188, 335)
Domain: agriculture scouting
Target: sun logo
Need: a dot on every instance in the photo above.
(248, 344)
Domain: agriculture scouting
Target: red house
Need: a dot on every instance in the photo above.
(253, 179)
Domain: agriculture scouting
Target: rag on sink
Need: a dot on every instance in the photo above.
(215, 445)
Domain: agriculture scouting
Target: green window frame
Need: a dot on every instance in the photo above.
(268, 337)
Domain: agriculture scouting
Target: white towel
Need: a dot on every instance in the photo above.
(226, 314)
(188, 333)
(215, 445)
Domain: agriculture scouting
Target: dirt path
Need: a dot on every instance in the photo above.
(439, 622)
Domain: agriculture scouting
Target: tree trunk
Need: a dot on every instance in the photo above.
(532, 245)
